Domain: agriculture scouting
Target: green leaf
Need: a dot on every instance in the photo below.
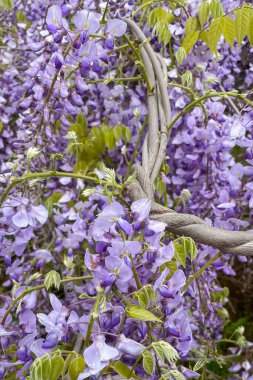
(46, 369)
(110, 140)
(159, 351)
(165, 350)
(191, 25)
(124, 371)
(179, 254)
(181, 54)
(171, 266)
(187, 78)
(6, 4)
(215, 32)
(250, 30)
(20, 17)
(160, 15)
(57, 364)
(177, 375)
(203, 12)
(205, 36)
(200, 363)
(126, 133)
(147, 362)
(223, 313)
(216, 8)
(76, 367)
(162, 31)
(229, 30)
(145, 295)
(141, 314)
(52, 278)
(160, 187)
(242, 19)
(189, 41)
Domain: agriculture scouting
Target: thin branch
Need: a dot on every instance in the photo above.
(208, 96)
(39, 287)
(28, 176)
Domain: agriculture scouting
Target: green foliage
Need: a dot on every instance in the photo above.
(229, 30)
(145, 296)
(184, 247)
(189, 41)
(242, 25)
(46, 368)
(6, 4)
(215, 32)
(187, 78)
(147, 362)
(76, 367)
(181, 54)
(165, 352)
(171, 266)
(203, 13)
(52, 278)
(191, 26)
(124, 371)
(159, 19)
(237, 26)
(57, 364)
(175, 374)
(137, 312)
(216, 8)
(51, 201)
(89, 145)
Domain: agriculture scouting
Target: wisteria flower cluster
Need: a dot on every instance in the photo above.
(92, 285)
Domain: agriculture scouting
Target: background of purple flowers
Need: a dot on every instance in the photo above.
(66, 105)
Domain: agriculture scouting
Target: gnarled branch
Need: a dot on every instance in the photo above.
(154, 152)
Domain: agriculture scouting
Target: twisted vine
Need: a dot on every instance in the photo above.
(153, 155)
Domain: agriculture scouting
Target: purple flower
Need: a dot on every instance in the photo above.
(105, 223)
(55, 321)
(97, 356)
(141, 209)
(116, 27)
(54, 18)
(179, 326)
(87, 21)
(127, 247)
(129, 346)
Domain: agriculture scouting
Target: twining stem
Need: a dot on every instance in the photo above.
(136, 150)
(138, 56)
(207, 96)
(36, 175)
(200, 271)
(40, 287)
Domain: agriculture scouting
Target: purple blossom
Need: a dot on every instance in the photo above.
(116, 27)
